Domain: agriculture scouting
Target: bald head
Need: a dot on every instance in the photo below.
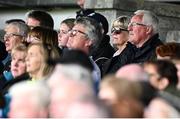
(132, 72)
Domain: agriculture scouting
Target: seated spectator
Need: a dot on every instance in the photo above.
(119, 39)
(63, 35)
(43, 35)
(168, 51)
(39, 18)
(69, 84)
(84, 36)
(36, 61)
(15, 33)
(103, 49)
(18, 66)
(148, 39)
(163, 74)
(29, 100)
(120, 33)
(122, 96)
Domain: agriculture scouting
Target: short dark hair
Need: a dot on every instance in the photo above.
(167, 69)
(74, 57)
(43, 17)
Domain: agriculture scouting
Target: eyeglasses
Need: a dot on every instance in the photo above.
(117, 31)
(74, 33)
(11, 35)
(135, 24)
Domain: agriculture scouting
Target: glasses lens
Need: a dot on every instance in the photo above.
(116, 31)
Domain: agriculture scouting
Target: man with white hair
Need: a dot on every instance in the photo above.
(29, 100)
(143, 33)
(143, 40)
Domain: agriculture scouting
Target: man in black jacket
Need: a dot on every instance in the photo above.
(103, 50)
(143, 37)
(143, 33)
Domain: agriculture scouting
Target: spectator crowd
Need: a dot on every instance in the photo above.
(75, 72)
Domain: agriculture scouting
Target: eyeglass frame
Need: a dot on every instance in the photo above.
(74, 30)
(11, 35)
(136, 24)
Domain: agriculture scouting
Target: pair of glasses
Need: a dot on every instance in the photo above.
(117, 31)
(11, 35)
(74, 33)
(136, 24)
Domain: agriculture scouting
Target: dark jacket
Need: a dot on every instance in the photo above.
(126, 57)
(9, 83)
(131, 54)
(3, 55)
(103, 52)
(148, 50)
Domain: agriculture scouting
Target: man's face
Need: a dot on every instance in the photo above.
(12, 37)
(137, 30)
(154, 77)
(78, 38)
(32, 22)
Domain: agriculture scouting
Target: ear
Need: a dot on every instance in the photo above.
(149, 29)
(88, 43)
(163, 83)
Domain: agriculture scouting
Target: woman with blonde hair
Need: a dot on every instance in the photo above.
(36, 61)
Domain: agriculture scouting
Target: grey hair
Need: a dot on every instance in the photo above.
(74, 72)
(39, 90)
(149, 18)
(93, 29)
(23, 28)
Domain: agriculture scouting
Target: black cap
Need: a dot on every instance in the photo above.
(100, 19)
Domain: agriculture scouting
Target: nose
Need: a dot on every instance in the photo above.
(6, 38)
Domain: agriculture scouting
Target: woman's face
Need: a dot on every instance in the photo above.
(119, 38)
(63, 35)
(18, 65)
(33, 39)
(34, 59)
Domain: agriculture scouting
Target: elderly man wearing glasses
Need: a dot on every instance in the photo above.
(142, 43)
(15, 33)
(84, 36)
(143, 33)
